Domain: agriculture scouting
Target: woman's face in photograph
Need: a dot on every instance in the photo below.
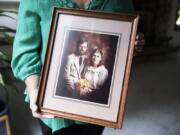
(96, 58)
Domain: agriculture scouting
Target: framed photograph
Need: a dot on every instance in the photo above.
(87, 66)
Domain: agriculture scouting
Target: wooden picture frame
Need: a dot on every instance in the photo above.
(97, 94)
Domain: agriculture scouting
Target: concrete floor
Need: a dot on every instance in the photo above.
(153, 101)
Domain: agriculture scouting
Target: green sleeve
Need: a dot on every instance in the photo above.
(26, 48)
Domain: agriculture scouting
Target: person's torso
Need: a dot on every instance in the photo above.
(45, 10)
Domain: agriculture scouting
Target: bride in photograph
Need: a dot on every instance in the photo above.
(94, 75)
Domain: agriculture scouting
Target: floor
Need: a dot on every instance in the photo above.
(152, 105)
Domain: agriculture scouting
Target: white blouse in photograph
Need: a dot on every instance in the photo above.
(96, 76)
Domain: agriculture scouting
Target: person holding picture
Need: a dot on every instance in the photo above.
(29, 48)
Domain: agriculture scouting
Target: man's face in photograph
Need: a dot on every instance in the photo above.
(82, 48)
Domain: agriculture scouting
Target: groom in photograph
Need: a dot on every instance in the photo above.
(75, 65)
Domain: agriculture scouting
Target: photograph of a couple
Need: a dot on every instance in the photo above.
(87, 64)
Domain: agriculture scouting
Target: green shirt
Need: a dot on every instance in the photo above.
(32, 34)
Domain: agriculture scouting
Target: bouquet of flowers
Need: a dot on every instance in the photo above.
(83, 86)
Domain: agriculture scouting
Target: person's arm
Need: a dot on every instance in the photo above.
(27, 44)
(32, 87)
(26, 63)
(32, 83)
